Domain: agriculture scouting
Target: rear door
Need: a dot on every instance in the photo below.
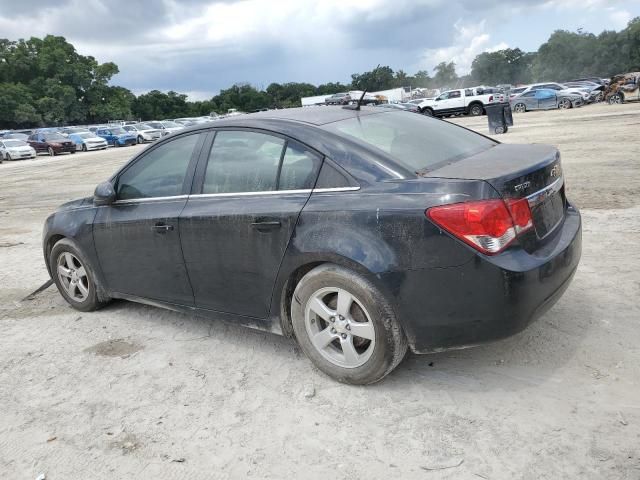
(238, 222)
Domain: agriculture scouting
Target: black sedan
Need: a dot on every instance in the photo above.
(361, 233)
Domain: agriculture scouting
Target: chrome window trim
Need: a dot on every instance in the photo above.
(238, 194)
(150, 199)
(249, 194)
(335, 189)
(274, 192)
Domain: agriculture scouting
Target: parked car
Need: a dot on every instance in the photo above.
(544, 99)
(584, 93)
(117, 136)
(15, 136)
(408, 107)
(143, 132)
(338, 99)
(87, 141)
(52, 143)
(516, 91)
(166, 127)
(359, 233)
(11, 149)
(624, 88)
(66, 131)
(466, 101)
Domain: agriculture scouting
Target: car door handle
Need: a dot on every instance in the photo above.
(266, 225)
(162, 227)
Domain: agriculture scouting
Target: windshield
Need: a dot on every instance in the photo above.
(86, 135)
(414, 141)
(142, 126)
(171, 124)
(156, 124)
(51, 137)
(117, 131)
(15, 143)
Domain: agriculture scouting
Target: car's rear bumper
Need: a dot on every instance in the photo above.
(487, 298)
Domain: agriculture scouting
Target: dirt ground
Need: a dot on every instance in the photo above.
(135, 392)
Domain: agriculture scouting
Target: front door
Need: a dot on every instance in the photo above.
(137, 237)
(237, 225)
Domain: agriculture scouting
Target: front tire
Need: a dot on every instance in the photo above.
(428, 112)
(116, 144)
(74, 276)
(51, 152)
(84, 147)
(8, 157)
(345, 326)
(140, 139)
(564, 104)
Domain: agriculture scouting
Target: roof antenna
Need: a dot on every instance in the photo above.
(357, 105)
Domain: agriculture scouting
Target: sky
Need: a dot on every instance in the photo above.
(198, 47)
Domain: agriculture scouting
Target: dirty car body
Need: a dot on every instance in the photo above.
(356, 195)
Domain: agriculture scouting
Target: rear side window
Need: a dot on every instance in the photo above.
(414, 141)
(299, 168)
(242, 161)
(331, 177)
(160, 173)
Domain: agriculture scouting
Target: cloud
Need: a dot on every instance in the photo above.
(201, 46)
(471, 40)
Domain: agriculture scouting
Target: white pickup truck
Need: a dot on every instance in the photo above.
(468, 101)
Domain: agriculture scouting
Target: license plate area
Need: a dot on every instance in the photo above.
(548, 208)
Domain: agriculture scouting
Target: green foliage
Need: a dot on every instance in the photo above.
(510, 65)
(44, 81)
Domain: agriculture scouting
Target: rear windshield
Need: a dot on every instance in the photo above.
(414, 141)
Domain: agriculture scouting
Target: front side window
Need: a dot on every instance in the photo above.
(242, 161)
(455, 94)
(415, 142)
(444, 96)
(160, 173)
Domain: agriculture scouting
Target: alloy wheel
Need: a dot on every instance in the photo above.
(50, 152)
(73, 277)
(520, 108)
(339, 327)
(565, 104)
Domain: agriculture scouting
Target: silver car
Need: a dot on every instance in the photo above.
(143, 132)
(11, 149)
(544, 99)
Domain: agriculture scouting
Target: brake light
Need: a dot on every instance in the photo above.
(490, 98)
(489, 226)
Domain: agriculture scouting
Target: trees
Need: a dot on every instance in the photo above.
(510, 65)
(446, 75)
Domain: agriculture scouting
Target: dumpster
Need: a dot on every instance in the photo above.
(500, 117)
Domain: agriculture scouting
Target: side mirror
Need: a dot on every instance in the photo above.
(104, 194)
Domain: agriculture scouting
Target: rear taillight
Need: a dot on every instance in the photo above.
(487, 225)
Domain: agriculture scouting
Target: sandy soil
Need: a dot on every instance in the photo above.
(138, 392)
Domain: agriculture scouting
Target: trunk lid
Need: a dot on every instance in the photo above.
(518, 171)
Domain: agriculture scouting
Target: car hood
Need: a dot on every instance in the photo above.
(26, 148)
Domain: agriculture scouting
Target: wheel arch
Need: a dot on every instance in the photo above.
(281, 302)
(473, 103)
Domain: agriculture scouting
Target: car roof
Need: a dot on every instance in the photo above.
(307, 115)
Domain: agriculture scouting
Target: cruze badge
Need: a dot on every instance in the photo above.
(522, 186)
(556, 171)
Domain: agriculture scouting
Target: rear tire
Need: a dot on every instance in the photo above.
(520, 108)
(74, 276)
(356, 338)
(475, 110)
